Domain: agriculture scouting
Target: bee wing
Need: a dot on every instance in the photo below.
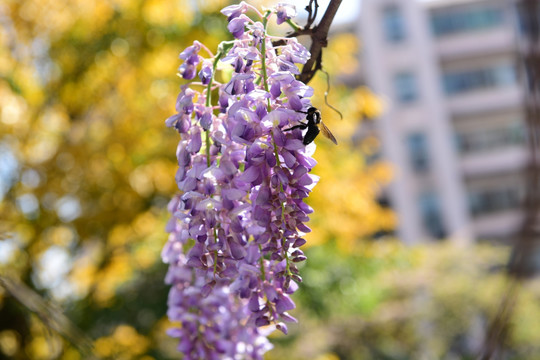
(326, 132)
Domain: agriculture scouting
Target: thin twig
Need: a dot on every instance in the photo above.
(319, 37)
(312, 13)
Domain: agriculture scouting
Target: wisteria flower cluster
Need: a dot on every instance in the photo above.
(237, 226)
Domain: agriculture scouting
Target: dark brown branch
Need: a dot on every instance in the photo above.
(319, 38)
(318, 34)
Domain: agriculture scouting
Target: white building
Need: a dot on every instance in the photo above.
(453, 126)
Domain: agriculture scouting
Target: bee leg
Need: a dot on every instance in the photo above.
(301, 126)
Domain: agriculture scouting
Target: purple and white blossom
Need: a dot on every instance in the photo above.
(238, 223)
(284, 12)
(191, 58)
(233, 11)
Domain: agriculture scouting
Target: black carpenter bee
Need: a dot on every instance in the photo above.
(314, 125)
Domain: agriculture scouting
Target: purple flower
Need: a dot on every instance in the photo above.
(190, 54)
(206, 72)
(295, 52)
(212, 325)
(206, 120)
(233, 11)
(191, 58)
(257, 32)
(237, 26)
(284, 12)
(236, 228)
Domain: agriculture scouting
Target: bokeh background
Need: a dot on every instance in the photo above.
(87, 168)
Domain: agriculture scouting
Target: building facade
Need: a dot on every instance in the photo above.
(453, 125)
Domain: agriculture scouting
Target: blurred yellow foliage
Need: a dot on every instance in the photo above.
(124, 343)
(327, 356)
(9, 342)
(342, 54)
(115, 273)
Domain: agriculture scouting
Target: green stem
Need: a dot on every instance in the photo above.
(293, 25)
(287, 267)
(209, 103)
(215, 252)
(208, 162)
(275, 150)
(219, 55)
(263, 55)
(261, 262)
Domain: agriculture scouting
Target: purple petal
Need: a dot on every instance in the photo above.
(253, 254)
(282, 327)
(187, 71)
(195, 143)
(172, 120)
(288, 318)
(237, 26)
(275, 90)
(233, 11)
(183, 125)
(284, 12)
(302, 227)
(295, 103)
(258, 94)
(249, 175)
(285, 65)
(270, 292)
(294, 144)
(206, 121)
(196, 251)
(206, 73)
(190, 51)
(237, 250)
(233, 194)
(290, 159)
(253, 304)
(227, 167)
(305, 180)
(279, 137)
(270, 158)
(263, 196)
(262, 216)
(284, 303)
(262, 321)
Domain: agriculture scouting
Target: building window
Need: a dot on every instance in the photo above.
(463, 19)
(525, 19)
(418, 152)
(394, 24)
(488, 201)
(457, 82)
(512, 134)
(430, 210)
(405, 87)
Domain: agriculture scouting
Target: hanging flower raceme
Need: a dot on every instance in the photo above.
(238, 224)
